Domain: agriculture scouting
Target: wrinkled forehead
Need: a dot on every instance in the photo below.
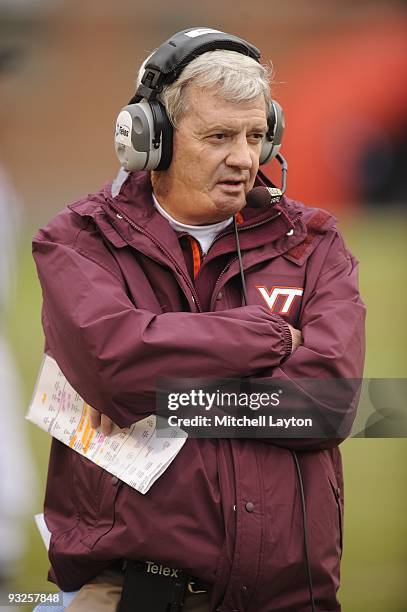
(209, 104)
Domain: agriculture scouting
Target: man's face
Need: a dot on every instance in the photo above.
(216, 154)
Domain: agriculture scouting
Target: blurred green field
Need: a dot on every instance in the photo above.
(374, 568)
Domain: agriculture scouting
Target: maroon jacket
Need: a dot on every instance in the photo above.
(120, 309)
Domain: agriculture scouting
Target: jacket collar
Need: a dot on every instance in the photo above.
(131, 195)
(123, 210)
(132, 192)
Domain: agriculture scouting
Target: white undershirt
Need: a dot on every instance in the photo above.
(204, 234)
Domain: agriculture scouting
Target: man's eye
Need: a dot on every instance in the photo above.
(217, 136)
(257, 136)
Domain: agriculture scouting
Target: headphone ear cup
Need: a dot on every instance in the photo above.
(272, 142)
(135, 137)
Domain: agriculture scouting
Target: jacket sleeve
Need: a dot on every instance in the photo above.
(112, 352)
(332, 323)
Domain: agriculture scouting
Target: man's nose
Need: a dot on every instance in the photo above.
(239, 155)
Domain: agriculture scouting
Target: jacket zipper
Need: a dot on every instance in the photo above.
(195, 297)
(214, 292)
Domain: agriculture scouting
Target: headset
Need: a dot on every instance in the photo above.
(143, 135)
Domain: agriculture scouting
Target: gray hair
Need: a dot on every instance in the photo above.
(235, 77)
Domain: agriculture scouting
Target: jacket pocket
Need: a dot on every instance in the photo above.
(337, 495)
(94, 493)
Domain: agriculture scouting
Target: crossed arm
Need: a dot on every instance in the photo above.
(98, 419)
(111, 352)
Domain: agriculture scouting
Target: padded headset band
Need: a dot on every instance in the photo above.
(166, 64)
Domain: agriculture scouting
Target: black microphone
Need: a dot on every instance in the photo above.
(263, 196)
(260, 197)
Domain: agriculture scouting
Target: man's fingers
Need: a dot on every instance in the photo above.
(107, 425)
(296, 336)
(94, 416)
(98, 419)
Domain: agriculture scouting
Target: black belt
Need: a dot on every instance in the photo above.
(153, 587)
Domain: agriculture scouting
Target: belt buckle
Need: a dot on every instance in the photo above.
(192, 589)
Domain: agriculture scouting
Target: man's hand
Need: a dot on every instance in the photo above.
(296, 336)
(98, 419)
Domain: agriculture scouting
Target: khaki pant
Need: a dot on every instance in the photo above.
(102, 594)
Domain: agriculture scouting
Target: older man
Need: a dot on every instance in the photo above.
(142, 280)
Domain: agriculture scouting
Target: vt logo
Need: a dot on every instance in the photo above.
(288, 295)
